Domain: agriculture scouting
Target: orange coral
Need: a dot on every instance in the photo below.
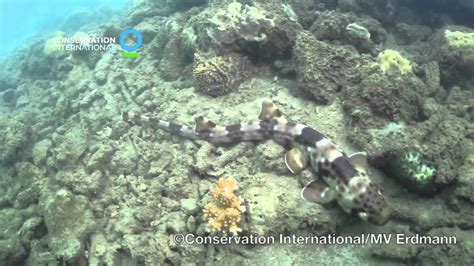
(225, 212)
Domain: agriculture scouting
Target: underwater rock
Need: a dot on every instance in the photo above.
(465, 184)
(175, 222)
(9, 96)
(11, 247)
(381, 98)
(14, 134)
(27, 188)
(432, 77)
(213, 161)
(394, 251)
(40, 66)
(441, 137)
(274, 207)
(142, 9)
(239, 21)
(184, 4)
(381, 10)
(461, 102)
(79, 181)
(423, 213)
(220, 75)
(70, 146)
(322, 69)
(40, 151)
(189, 206)
(63, 210)
(454, 50)
(360, 31)
(171, 63)
(406, 34)
(159, 166)
(100, 250)
(171, 46)
(101, 69)
(460, 253)
(87, 57)
(100, 158)
(445, 147)
(270, 157)
(306, 10)
(261, 30)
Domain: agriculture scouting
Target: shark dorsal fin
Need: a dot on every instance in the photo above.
(203, 124)
(359, 160)
(269, 110)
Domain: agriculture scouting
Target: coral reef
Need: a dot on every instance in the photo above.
(63, 211)
(239, 21)
(322, 69)
(264, 30)
(220, 75)
(454, 50)
(362, 32)
(14, 134)
(380, 98)
(79, 186)
(225, 214)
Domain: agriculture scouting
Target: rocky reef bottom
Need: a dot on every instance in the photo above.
(96, 189)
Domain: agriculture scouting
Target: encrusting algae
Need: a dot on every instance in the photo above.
(391, 61)
(224, 214)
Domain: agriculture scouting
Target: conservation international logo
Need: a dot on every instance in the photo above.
(60, 44)
(131, 51)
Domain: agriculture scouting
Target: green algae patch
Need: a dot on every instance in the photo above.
(459, 38)
(391, 61)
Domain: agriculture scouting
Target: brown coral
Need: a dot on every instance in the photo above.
(220, 75)
(224, 214)
(323, 70)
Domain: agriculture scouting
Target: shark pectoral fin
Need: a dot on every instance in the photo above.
(359, 160)
(203, 124)
(296, 160)
(269, 110)
(318, 192)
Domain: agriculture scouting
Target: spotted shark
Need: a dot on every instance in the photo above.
(341, 178)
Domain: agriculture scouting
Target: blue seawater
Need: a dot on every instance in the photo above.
(21, 20)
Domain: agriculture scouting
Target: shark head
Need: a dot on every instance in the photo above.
(368, 202)
(347, 182)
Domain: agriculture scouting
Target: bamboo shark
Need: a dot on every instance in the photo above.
(341, 178)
